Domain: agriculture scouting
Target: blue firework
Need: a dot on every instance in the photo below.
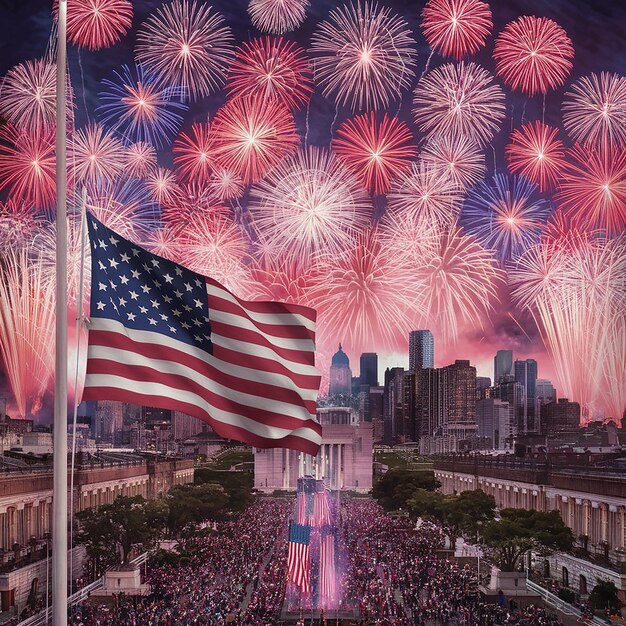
(139, 107)
(505, 214)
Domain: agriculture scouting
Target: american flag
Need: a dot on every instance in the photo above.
(299, 557)
(328, 574)
(163, 336)
(321, 508)
(305, 504)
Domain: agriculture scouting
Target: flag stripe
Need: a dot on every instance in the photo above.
(229, 431)
(166, 361)
(232, 313)
(203, 407)
(266, 410)
(278, 313)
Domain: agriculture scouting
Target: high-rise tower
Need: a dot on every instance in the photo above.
(421, 349)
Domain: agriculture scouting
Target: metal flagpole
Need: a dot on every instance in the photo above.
(59, 493)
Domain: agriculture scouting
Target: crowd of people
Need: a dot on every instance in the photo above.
(391, 575)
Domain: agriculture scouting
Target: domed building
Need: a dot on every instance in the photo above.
(340, 383)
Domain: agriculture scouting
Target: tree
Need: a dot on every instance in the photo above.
(424, 503)
(111, 531)
(397, 486)
(466, 513)
(518, 531)
(605, 596)
(191, 504)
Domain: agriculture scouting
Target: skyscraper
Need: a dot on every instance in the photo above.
(421, 349)
(461, 399)
(340, 383)
(508, 390)
(545, 391)
(483, 387)
(495, 423)
(502, 365)
(369, 369)
(393, 401)
(526, 376)
(561, 416)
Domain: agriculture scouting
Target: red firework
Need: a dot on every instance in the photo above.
(272, 69)
(27, 166)
(456, 27)
(280, 281)
(277, 16)
(533, 54)
(165, 242)
(593, 189)
(194, 153)
(253, 136)
(225, 185)
(140, 159)
(537, 152)
(190, 202)
(375, 152)
(162, 186)
(95, 155)
(18, 225)
(96, 24)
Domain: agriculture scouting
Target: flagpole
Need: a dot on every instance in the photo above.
(59, 493)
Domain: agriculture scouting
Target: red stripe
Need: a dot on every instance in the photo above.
(252, 337)
(223, 430)
(112, 339)
(141, 373)
(286, 331)
(269, 308)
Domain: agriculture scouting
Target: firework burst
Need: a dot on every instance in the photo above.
(309, 204)
(375, 152)
(194, 153)
(162, 186)
(364, 56)
(165, 242)
(506, 215)
(365, 296)
(141, 159)
(28, 166)
(456, 27)
(533, 54)
(271, 69)
(459, 100)
(96, 24)
(225, 185)
(139, 107)
(425, 193)
(594, 110)
(253, 136)
(95, 155)
(192, 200)
(18, 226)
(593, 188)
(460, 281)
(459, 157)
(576, 294)
(536, 152)
(280, 282)
(28, 96)
(186, 45)
(277, 16)
(26, 330)
(216, 247)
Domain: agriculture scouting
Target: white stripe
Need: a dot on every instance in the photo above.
(277, 319)
(239, 321)
(252, 349)
(135, 359)
(226, 417)
(148, 336)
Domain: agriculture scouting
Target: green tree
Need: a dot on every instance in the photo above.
(238, 485)
(110, 532)
(518, 531)
(466, 513)
(424, 503)
(191, 504)
(605, 596)
(395, 488)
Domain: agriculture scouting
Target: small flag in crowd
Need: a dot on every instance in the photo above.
(298, 557)
(163, 336)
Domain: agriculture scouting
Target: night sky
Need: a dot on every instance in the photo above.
(595, 28)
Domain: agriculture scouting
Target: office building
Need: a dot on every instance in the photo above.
(525, 373)
(508, 390)
(495, 424)
(460, 392)
(502, 365)
(545, 391)
(369, 369)
(108, 422)
(560, 416)
(393, 401)
(483, 387)
(421, 349)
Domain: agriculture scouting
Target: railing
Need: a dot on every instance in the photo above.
(556, 602)
(45, 617)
